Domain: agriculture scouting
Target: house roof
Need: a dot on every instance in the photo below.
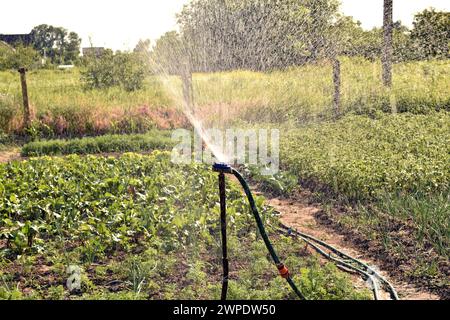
(11, 39)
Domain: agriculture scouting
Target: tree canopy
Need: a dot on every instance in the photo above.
(56, 43)
(431, 33)
(262, 34)
(217, 35)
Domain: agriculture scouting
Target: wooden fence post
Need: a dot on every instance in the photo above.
(26, 104)
(337, 85)
(387, 43)
(188, 93)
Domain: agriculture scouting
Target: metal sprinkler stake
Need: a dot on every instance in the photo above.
(223, 168)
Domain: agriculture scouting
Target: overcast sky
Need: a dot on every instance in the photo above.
(119, 24)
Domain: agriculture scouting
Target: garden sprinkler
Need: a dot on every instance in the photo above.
(222, 169)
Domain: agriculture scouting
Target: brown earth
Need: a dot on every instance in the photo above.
(9, 155)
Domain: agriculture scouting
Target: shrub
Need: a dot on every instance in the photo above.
(20, 57)
(109, 70)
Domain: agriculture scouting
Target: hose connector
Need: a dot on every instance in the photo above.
(222, 167)
(284, 271)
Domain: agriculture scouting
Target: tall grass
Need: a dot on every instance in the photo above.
(429, 214)
(306, 93)
(62, 107)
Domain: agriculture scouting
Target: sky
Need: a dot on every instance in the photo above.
(119, 24)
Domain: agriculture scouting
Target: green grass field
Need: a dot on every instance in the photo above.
(63, 108)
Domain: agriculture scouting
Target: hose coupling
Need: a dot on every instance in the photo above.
(284, 271)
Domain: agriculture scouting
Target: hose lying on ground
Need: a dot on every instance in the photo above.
(346, 262)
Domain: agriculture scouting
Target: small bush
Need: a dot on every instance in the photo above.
(109, 70)
(20, 57)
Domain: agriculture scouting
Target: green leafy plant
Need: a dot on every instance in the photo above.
(281, 183)
(152, 225)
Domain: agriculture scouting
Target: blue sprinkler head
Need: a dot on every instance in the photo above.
(222, 167)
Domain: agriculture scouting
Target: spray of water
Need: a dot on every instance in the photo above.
(188, 107)
(222, 38)
(268, 62)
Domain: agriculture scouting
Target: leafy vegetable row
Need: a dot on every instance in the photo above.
(142, 222)
(364, 158)
(153, 140)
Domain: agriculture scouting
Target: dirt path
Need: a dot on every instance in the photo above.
(9, 154)
(300, 215)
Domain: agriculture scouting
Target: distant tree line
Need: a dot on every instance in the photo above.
(56, 44)
(217, 35)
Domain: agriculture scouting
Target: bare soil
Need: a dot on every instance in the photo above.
(9, 155)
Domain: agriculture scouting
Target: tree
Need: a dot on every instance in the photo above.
(143, 53)
(387, 42)
(56, 43)
(369, 44)
(431, 34)
(321, 29)
(256, 35)
(142, 47)
(72, 48)
(168, 52)
(403, 44)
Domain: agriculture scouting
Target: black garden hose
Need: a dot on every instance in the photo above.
(342, 260)
(346, 261)
(223, 169)
(283, 270)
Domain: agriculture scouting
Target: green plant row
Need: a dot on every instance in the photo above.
(140, 227)
(153, 140)
(395, 165)
(364, 158)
